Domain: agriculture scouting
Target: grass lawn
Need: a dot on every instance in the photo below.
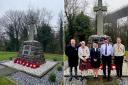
(7, 55)
(6, 81)
(56, 57)
(48, 56)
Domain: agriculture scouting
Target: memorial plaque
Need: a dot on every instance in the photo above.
(31, 51)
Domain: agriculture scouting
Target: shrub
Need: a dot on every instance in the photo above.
(10, 58)
(52, 77)
(59, 68)
(54, 59)
(62, 63)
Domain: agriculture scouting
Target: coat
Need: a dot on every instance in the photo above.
(72, 53)
(95, 55)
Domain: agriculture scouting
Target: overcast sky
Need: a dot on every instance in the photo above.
(55, 6)
(112, 5)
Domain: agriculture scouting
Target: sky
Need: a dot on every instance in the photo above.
(112, 5)
(55, 6)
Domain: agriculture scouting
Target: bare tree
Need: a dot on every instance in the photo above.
(17, 24)
(61, 34)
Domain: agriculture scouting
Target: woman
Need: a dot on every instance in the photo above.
(95, 58)
(83, 53)
(119, 51)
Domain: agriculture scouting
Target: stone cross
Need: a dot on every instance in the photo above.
(31, 32)
(99, 16)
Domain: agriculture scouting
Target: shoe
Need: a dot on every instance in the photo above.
(104, 77)
(109, 79)
(82, 78)
(117, 77)
(96, 77)
(120, 78)
(70, 79)
(76, 78)
(86, 78)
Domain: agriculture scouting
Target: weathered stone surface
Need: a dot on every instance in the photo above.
(32, 51)
(43, 69)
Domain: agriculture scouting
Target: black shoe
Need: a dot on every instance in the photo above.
(120, 78)
(70, 79)
(109, 79)
(104, 77)
(76, 78)
(86, 78)
(82, 78)
(94, 77)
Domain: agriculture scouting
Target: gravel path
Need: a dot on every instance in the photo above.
(22, 78)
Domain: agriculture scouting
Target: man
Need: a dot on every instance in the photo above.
(72, 53)
(106, 53)
(119, 51)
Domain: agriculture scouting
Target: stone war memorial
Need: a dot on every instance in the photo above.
(30, 58)
(99, 9)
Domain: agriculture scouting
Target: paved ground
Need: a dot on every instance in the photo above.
(4, 71)
(99, 81)
(43, 69)
(90, 71)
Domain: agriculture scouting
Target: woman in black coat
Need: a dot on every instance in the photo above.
(95, 59)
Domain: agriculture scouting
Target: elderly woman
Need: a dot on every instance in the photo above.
(83, 53)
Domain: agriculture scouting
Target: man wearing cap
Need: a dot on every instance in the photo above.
(106, 54)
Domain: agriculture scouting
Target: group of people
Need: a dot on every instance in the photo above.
(91, 58)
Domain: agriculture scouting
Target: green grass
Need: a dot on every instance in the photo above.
(6, 81)
(7, 55)
(65, 57)
(57, 57)
(126, 54)
(48, 56)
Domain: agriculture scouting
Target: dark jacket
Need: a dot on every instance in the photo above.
(95, 54)
(72, 53)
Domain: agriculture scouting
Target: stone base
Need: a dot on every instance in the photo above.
(42, 70)
(89, 72)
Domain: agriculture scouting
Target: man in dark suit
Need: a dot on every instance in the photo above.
(72, 52)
